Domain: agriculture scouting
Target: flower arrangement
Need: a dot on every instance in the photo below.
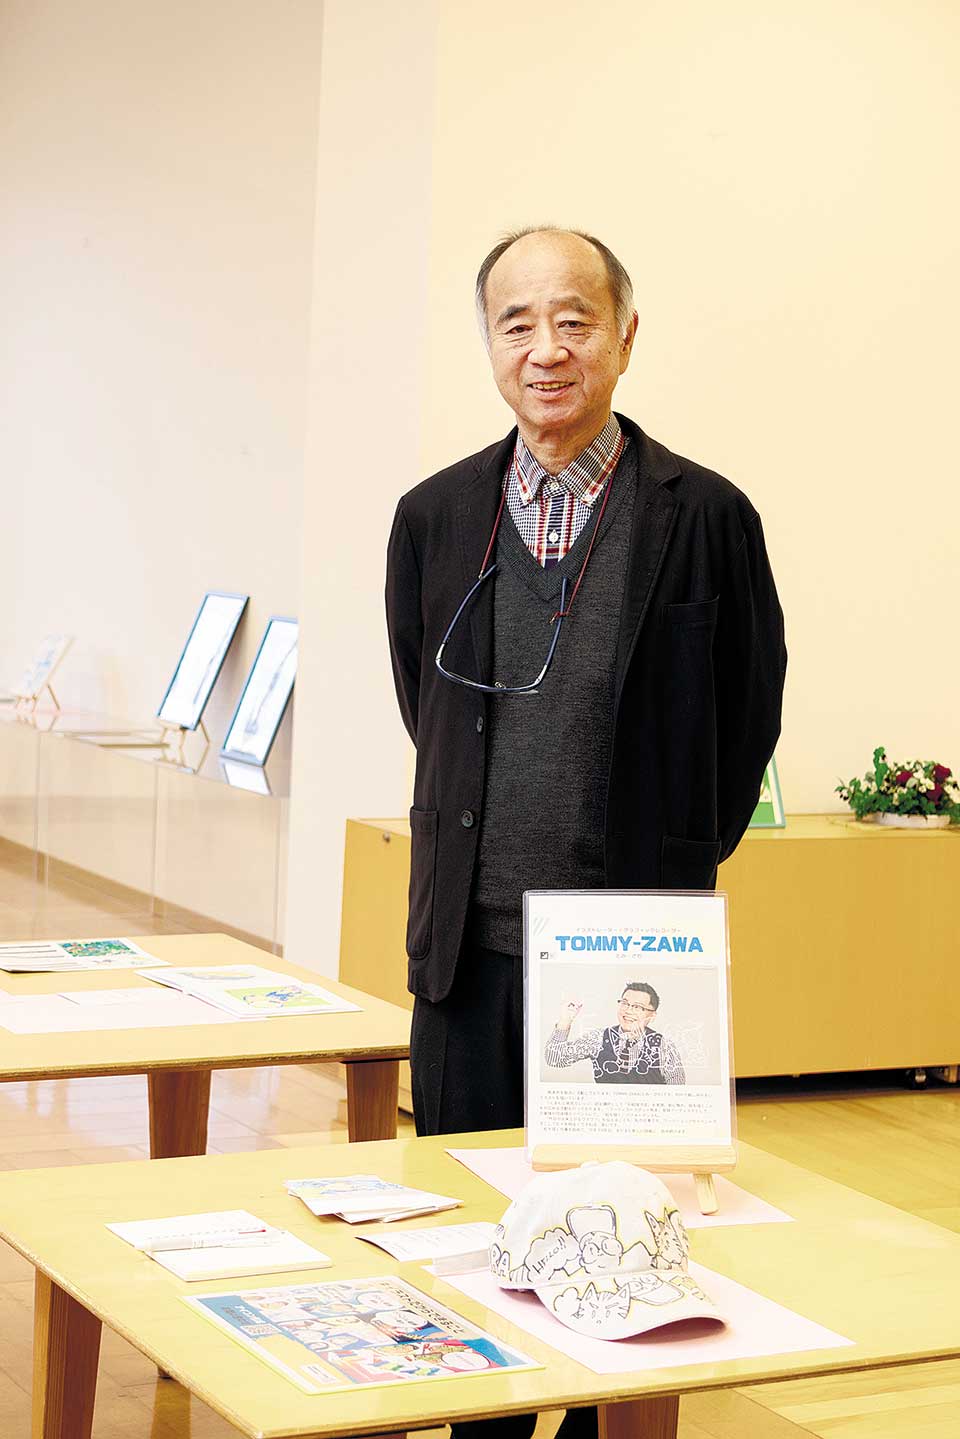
(918, 787)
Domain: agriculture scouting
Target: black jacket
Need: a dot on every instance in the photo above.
(700, 670)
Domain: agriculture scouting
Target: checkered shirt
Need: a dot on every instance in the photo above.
(549, 511)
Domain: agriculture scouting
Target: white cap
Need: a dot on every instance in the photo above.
(603, 1247)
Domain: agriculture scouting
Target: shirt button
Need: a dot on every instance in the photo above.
(554, 487)
(466, 819)
(479, 724)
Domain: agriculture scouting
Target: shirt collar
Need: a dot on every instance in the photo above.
(584, 477)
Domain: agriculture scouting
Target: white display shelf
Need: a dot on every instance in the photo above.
(147, 820)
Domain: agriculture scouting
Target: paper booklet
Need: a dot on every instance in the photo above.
(357, 1333)
(248, 991)
(223, 1244)
(454, 1248)
(50, 956)
(358, 1198)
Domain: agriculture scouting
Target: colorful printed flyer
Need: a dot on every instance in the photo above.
(357, 1333)
(628, 1019)
(248, 991)
(70, 955)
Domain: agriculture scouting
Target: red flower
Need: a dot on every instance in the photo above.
(935, 793)
(940, 773)
(903, 776)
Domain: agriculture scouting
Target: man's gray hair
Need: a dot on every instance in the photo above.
(621, 286)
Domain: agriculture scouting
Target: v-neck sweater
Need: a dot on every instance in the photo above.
(548, 755)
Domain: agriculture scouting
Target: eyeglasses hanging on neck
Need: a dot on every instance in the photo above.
(556, 620)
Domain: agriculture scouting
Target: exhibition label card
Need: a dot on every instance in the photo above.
(627, 1019)
(358, 1333)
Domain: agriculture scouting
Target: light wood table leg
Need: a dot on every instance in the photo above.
(66, 1352)
(179, 1106)
(640, 1418)
(372, 1089)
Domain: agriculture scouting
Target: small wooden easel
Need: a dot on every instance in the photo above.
(702, 1161)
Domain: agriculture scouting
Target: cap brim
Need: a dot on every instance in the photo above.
(618, 1306)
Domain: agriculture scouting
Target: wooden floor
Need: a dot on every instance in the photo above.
(870, 1133)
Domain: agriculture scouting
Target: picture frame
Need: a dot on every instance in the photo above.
(265, 695)
(769, 811)
(657, 1081)
(201, 659)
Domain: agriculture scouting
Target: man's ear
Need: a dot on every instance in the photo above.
(626, 344)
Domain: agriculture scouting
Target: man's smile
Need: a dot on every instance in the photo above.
(548, 387)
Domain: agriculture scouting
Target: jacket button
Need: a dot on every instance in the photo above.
(479, 724)
(466, 819)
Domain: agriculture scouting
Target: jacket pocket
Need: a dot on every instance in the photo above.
(699, 612)
(423, 868)
(688, 863)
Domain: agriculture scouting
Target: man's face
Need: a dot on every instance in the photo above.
(634, 1012)
(554, 346)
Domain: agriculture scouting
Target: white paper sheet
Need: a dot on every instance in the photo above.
(437, 1242)
(147, 1009)
(508, 1170)
(754, 1326)
(250, 1246)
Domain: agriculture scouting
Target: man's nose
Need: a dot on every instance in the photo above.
(548, 348)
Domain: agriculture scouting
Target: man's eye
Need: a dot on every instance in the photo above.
(518, 329)
(571, 324)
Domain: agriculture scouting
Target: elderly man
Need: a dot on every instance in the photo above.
(588, 654)
(628, 1052)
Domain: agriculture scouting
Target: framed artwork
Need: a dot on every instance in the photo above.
(265, 695)
(628, 1022)
(201, 659)
(769, 811)
(245, 776)
(38, 675)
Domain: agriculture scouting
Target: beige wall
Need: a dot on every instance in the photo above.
(779, 179)
(364, 441)
(157, 175)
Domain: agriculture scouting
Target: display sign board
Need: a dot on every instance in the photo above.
(265, 694)
(628, 1032)
(201, 659)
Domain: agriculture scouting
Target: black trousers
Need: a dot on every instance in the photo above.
(466, 1061)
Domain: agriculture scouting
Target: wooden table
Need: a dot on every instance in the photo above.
(178, 1062)
(824, 916)
(872, 1273)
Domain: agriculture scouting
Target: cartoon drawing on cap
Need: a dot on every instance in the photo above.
(671, 1245)
(595, 1306)
(594, 1227)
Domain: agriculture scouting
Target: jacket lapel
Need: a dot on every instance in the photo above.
(476, 514)
(654, 518)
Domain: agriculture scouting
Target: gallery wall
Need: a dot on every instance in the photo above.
(778, 179)
(364, 445)
(157, 168)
